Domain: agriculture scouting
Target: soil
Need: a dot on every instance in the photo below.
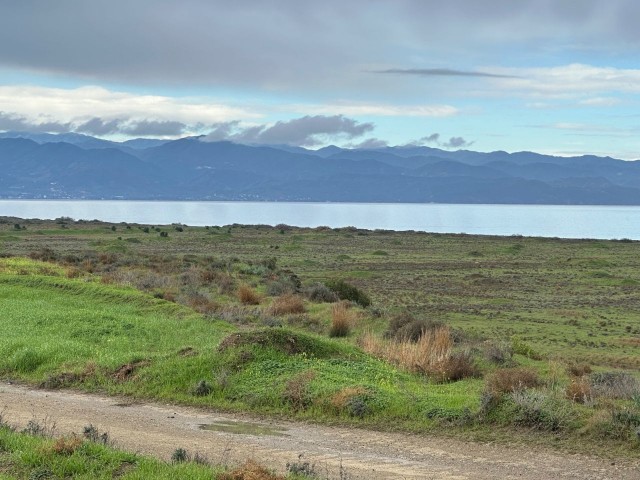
(337, 452)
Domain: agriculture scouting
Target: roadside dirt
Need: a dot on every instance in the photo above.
(157, 430)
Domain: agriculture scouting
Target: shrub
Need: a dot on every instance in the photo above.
(506, 380)
(202, 389)
(352, 400)
(346, 291)
(614, 385)
(66, 445)
(578, 369)
(92, 434)
(405, 326)
(499, 353)
(248, 296)
(250, 471)
(287, 304)
(522, 348)
(320, 293)
(297, 392)
(341, 319)
(538, 410)
(180, 455)
(579, 390)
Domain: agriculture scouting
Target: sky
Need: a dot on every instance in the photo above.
(558, 77)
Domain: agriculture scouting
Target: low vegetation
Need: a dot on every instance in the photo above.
(38, 455)
(481, 336)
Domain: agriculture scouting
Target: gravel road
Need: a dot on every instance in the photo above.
(157, 429)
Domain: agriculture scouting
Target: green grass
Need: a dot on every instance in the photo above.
(554, 301)
(24, 456)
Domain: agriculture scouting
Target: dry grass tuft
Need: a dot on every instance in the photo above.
(287, 304)
(248, 296)
(341, 320)
(431, 355)
(579, 390)
(508, 380)
(578, 369)
(296, 391)
(250, 471)
(66, 445)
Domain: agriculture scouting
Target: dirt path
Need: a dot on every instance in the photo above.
(158, 430)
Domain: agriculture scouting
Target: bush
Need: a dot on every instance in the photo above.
(287, 304)
(579, 369)
(202, 389)
(346, 291)
(614, 385)
(297, 392)
(320, 293)
(507, 380)
(405, 327)
(499, 353)
(341, 319)
(579, 390)
(538, 410)
(248, 296)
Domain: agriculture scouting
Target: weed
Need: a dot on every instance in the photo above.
(92, 434)
(538, 410)
(614, 385)
(180, 455)
(202, 389)
(320, 293)
(248, 296)
(297, 392)
(341, 320)
(46, 428)
(250, 471)
(506, 380)
(66, 445)
(579, 390)
(287, 304)
(302, 467)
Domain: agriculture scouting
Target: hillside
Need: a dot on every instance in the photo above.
(78, 166)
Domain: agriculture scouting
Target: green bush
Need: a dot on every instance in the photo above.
(346, 291)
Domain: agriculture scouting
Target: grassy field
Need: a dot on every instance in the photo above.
(490, 337)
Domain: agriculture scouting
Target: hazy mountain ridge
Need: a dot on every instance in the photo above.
(80, 166)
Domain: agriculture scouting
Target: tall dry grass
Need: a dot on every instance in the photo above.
(248, 296)
(341, 320)
(431, 355)
(287, 304)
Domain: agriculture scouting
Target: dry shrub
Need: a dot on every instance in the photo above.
(621, 385)
(287, 304)
(579, 369)
(296, 391)
(579, 390)
(506, 380)
(73, 272)
(431, 355)
(248, 296)
(341, 320)
(226, 283)
(66, 445)
(352, 400)
(201, 303)
(250, 471)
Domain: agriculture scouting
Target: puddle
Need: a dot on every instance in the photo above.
(244, 428)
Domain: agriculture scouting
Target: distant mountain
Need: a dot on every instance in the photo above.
(80, 166)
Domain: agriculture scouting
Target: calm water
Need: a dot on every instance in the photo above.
(530, 220)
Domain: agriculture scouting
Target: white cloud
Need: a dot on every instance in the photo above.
(377, 110)
(569, 81)
(43, 104)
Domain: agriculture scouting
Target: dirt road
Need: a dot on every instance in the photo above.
(158, 430)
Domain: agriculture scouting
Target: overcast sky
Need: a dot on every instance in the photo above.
(552, 76)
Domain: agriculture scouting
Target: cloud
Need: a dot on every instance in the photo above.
(98, 126)
(441, 72)
(434, 139)
(164, 128)
(288, 44)
(15, 122)
(370, 144)
(378, 110)
(305, 131)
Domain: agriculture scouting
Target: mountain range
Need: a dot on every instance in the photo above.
(62, 166)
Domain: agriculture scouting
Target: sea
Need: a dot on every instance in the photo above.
(564, 221)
